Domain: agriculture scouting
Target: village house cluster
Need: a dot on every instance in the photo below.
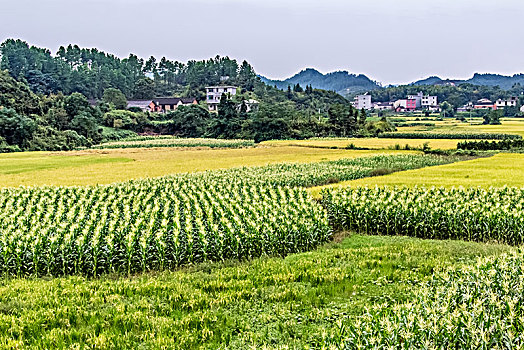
(485, 103)
(167, 104)
(408, 104)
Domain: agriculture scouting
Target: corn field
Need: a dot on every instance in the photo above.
(320, 173)
(478, 307)
(475, 214)
(151, 225)
(172, 141)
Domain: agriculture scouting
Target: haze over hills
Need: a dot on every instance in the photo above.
(346, 83)
(342, 82)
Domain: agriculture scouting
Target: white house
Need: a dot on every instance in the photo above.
(382, 106)
(362, 101)
(214, 93)
(510, 102)
(424, 101)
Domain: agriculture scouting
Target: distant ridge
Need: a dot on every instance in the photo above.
(342, 82)
(488, 79)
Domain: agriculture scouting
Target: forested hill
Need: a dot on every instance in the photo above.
(90, 72)
(342, 82)
(503, 81)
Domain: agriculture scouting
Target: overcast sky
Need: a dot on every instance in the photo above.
(392, 41)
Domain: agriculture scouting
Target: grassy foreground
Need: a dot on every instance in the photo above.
(268, 302)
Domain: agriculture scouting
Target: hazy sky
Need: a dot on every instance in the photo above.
(392, 41)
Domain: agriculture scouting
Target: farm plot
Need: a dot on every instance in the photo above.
(159, 224)
(471, 307)
(92, 167)
(151, 225)
(171, 141)
(473, 214)
(367, 143)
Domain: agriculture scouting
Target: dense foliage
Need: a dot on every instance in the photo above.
(474, 307)
(475, 214)
(491, 145)
(449, 135)
(85, 91)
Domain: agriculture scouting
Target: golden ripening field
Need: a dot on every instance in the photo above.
(92, 167)
(373, 143)
(503, 169)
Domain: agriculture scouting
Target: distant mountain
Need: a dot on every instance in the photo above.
(342, 82)
(488, 79)
(428, 81)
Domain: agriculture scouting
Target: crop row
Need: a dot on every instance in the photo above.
(477, 307)
(452, 135)
(470, 214)
(320, 173)
(171, 141)
(491, 145)
(151, 225)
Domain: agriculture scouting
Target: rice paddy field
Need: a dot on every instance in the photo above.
(504, 169)
(91, 167)
(288, 244)
(371, 143)
(472, 125)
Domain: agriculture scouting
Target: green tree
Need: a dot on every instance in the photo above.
(494, 117)
(144, 89)
(446, 110)
(115, 98)
(189, 121)
(226, 123)
(16, 129)
(362, 117)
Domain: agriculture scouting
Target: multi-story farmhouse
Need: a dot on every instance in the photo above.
(214, 93)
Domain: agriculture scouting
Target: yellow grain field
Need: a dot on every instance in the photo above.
(504, 169)
(372, 143)
(107, 166)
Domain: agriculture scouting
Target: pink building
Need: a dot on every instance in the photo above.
(411, 104)
(405, 105)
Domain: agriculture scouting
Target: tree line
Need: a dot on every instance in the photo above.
(46, 101)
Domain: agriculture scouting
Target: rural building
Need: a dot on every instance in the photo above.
(166, 104)
(466, 108)
(382, 106)
(405, 105)
(214, 93)
(424, 101)
(251, 105)
(484, 103)
(362, 102)
(510, 102)
(144, 105)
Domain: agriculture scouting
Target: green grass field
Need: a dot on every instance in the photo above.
(263, 303)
